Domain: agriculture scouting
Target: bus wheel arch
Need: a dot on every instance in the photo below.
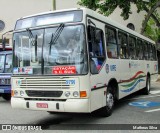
(113, 84)
(111, 97)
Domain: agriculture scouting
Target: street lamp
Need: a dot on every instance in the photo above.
(4, 39)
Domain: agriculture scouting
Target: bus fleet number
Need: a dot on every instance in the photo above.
(70, 82)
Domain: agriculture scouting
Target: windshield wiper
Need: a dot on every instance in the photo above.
(31, 37)
(55, 36)
(33, 41)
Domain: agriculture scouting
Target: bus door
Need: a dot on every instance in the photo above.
(97, 58)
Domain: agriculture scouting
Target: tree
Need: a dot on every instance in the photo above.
(106, 7)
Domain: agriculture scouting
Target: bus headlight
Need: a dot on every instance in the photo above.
(67, 93)
(75, 94)
(15, 93)
(21, 93)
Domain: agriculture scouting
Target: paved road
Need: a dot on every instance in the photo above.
(134, 109)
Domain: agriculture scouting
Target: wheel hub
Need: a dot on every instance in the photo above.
(110, 100)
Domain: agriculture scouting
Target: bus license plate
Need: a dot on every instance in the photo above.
(42, 105)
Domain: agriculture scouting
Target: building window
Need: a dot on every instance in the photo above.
(131, 26)
(2, 25)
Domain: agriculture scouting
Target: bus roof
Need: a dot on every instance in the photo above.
(56, 11)
(100, 17)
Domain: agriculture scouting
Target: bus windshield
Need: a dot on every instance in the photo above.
(2, 59)
(8, 64)
(52, 50)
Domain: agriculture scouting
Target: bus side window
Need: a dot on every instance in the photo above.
(149, 51)
(122, 38)
(154, 53)
(112, 49)
(140, 51)
(137, 49)
(96, 49)
(145, 50)
(132, 45)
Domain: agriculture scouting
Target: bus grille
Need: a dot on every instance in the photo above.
(5, 81)
(32, 93)
(49, 83)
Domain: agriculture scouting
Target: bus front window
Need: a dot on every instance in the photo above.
(49, 50)
(8, 64)
(2, 59)
(67, 52)
(27, 52)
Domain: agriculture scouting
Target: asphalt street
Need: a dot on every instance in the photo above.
(134, 109)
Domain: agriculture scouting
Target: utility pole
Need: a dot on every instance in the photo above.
(54, 4)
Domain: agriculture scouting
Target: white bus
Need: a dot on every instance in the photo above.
(78, 61)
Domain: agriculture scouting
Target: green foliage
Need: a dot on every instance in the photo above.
(106, 7)
(152, 31)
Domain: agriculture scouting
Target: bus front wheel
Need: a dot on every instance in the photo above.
(110, 100)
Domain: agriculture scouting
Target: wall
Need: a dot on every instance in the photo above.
(11, 10)
(135, 18)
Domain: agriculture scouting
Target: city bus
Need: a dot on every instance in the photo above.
(5, 72)
(79, 61)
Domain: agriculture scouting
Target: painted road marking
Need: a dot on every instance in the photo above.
(155, 92)
(153, 110)
(142, 97)
(145, 104)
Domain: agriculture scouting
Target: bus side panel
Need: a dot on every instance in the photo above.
(123, 69)
(98, 89)
(136, 73)
(154, 70)
(143, 74)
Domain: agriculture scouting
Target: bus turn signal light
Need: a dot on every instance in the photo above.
(83, 94)
(12, 93)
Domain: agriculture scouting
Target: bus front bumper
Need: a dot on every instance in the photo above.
(5, 89)
(70, 105)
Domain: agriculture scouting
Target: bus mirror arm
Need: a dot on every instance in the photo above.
(92, 32)
(92, 23)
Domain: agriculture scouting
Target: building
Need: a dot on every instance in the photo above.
(135, 19)
(11, 10)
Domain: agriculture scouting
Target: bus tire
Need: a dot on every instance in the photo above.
(110, 100)
(146, 90)
(7, 97)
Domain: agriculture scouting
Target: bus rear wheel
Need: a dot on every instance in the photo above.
(7, 97)
(110, 100)
(146, 90)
